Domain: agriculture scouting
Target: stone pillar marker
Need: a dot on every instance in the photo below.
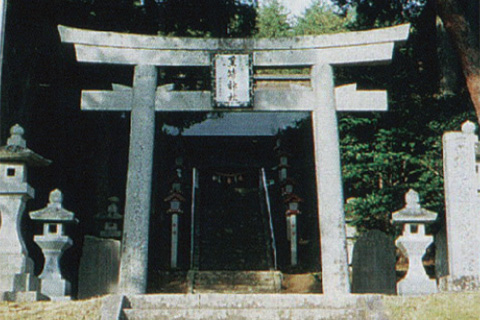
(134, 259)
(461, 204)
(53, 243)
(17, 281)
(373, 263)
(414, 241)
(329, 183)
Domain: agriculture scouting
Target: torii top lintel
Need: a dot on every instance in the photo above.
(363, 47)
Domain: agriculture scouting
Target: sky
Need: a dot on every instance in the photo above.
(294, 7)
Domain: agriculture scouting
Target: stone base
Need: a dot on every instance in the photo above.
(56, 289)
(19, 282)
(21, 287)
(410, 288)
(29, 296)
(459, 284)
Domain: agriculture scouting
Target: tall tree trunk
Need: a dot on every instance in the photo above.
(466, 42)
(450, 70)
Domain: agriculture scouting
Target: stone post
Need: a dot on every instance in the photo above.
(53, 243)
(134, 256)
(3, 18)
(329, 184)
(17, 281)
(414, 241)
(292, 201)
(352, 235)
(293, 240)
(174, 241)
(461, 204)
(175, 199)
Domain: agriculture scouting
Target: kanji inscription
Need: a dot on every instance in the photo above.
(232, 80)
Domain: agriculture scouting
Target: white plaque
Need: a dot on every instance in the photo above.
(233, 84)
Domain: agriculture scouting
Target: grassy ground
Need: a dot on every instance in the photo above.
(446, 306)
(71, 310)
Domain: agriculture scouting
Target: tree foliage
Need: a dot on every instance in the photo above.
(272, 20)
(216, 18)
(386, 154)
(320, 19)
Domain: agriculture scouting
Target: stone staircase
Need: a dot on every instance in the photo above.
(232, 232)
(234, 281)
(252, 306)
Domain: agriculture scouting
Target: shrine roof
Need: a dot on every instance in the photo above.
(243, 124)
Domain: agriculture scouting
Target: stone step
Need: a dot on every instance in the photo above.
(243, 314)
(248, 301)
(236, 281)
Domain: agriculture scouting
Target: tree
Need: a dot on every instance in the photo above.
(460, 18)
(272, 20)
(386, 154)
(216, 18)
(320, 19)
(463, 29)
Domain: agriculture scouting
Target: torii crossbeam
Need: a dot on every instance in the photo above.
(322, 99)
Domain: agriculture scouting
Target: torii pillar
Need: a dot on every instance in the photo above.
(328, 174)
(134, 258)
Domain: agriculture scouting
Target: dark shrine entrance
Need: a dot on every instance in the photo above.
(233, 233)
(233, 227)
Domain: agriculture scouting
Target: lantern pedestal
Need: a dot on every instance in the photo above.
(53, 247)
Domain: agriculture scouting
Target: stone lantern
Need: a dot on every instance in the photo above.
(287, 186)
(292, 201)
(283, 165)
(176, 184)
(175, 199)
(16, 269)
(53, 243)
(111, 220)
(414, 241)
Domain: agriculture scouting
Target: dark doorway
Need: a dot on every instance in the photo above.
(232, 225)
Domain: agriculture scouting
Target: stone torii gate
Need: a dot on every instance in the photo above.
(322, 99)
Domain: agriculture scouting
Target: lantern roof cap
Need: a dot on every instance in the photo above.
(54, 210)
(16, 150)
(292, 197)
(413, 212)
(175, 196)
